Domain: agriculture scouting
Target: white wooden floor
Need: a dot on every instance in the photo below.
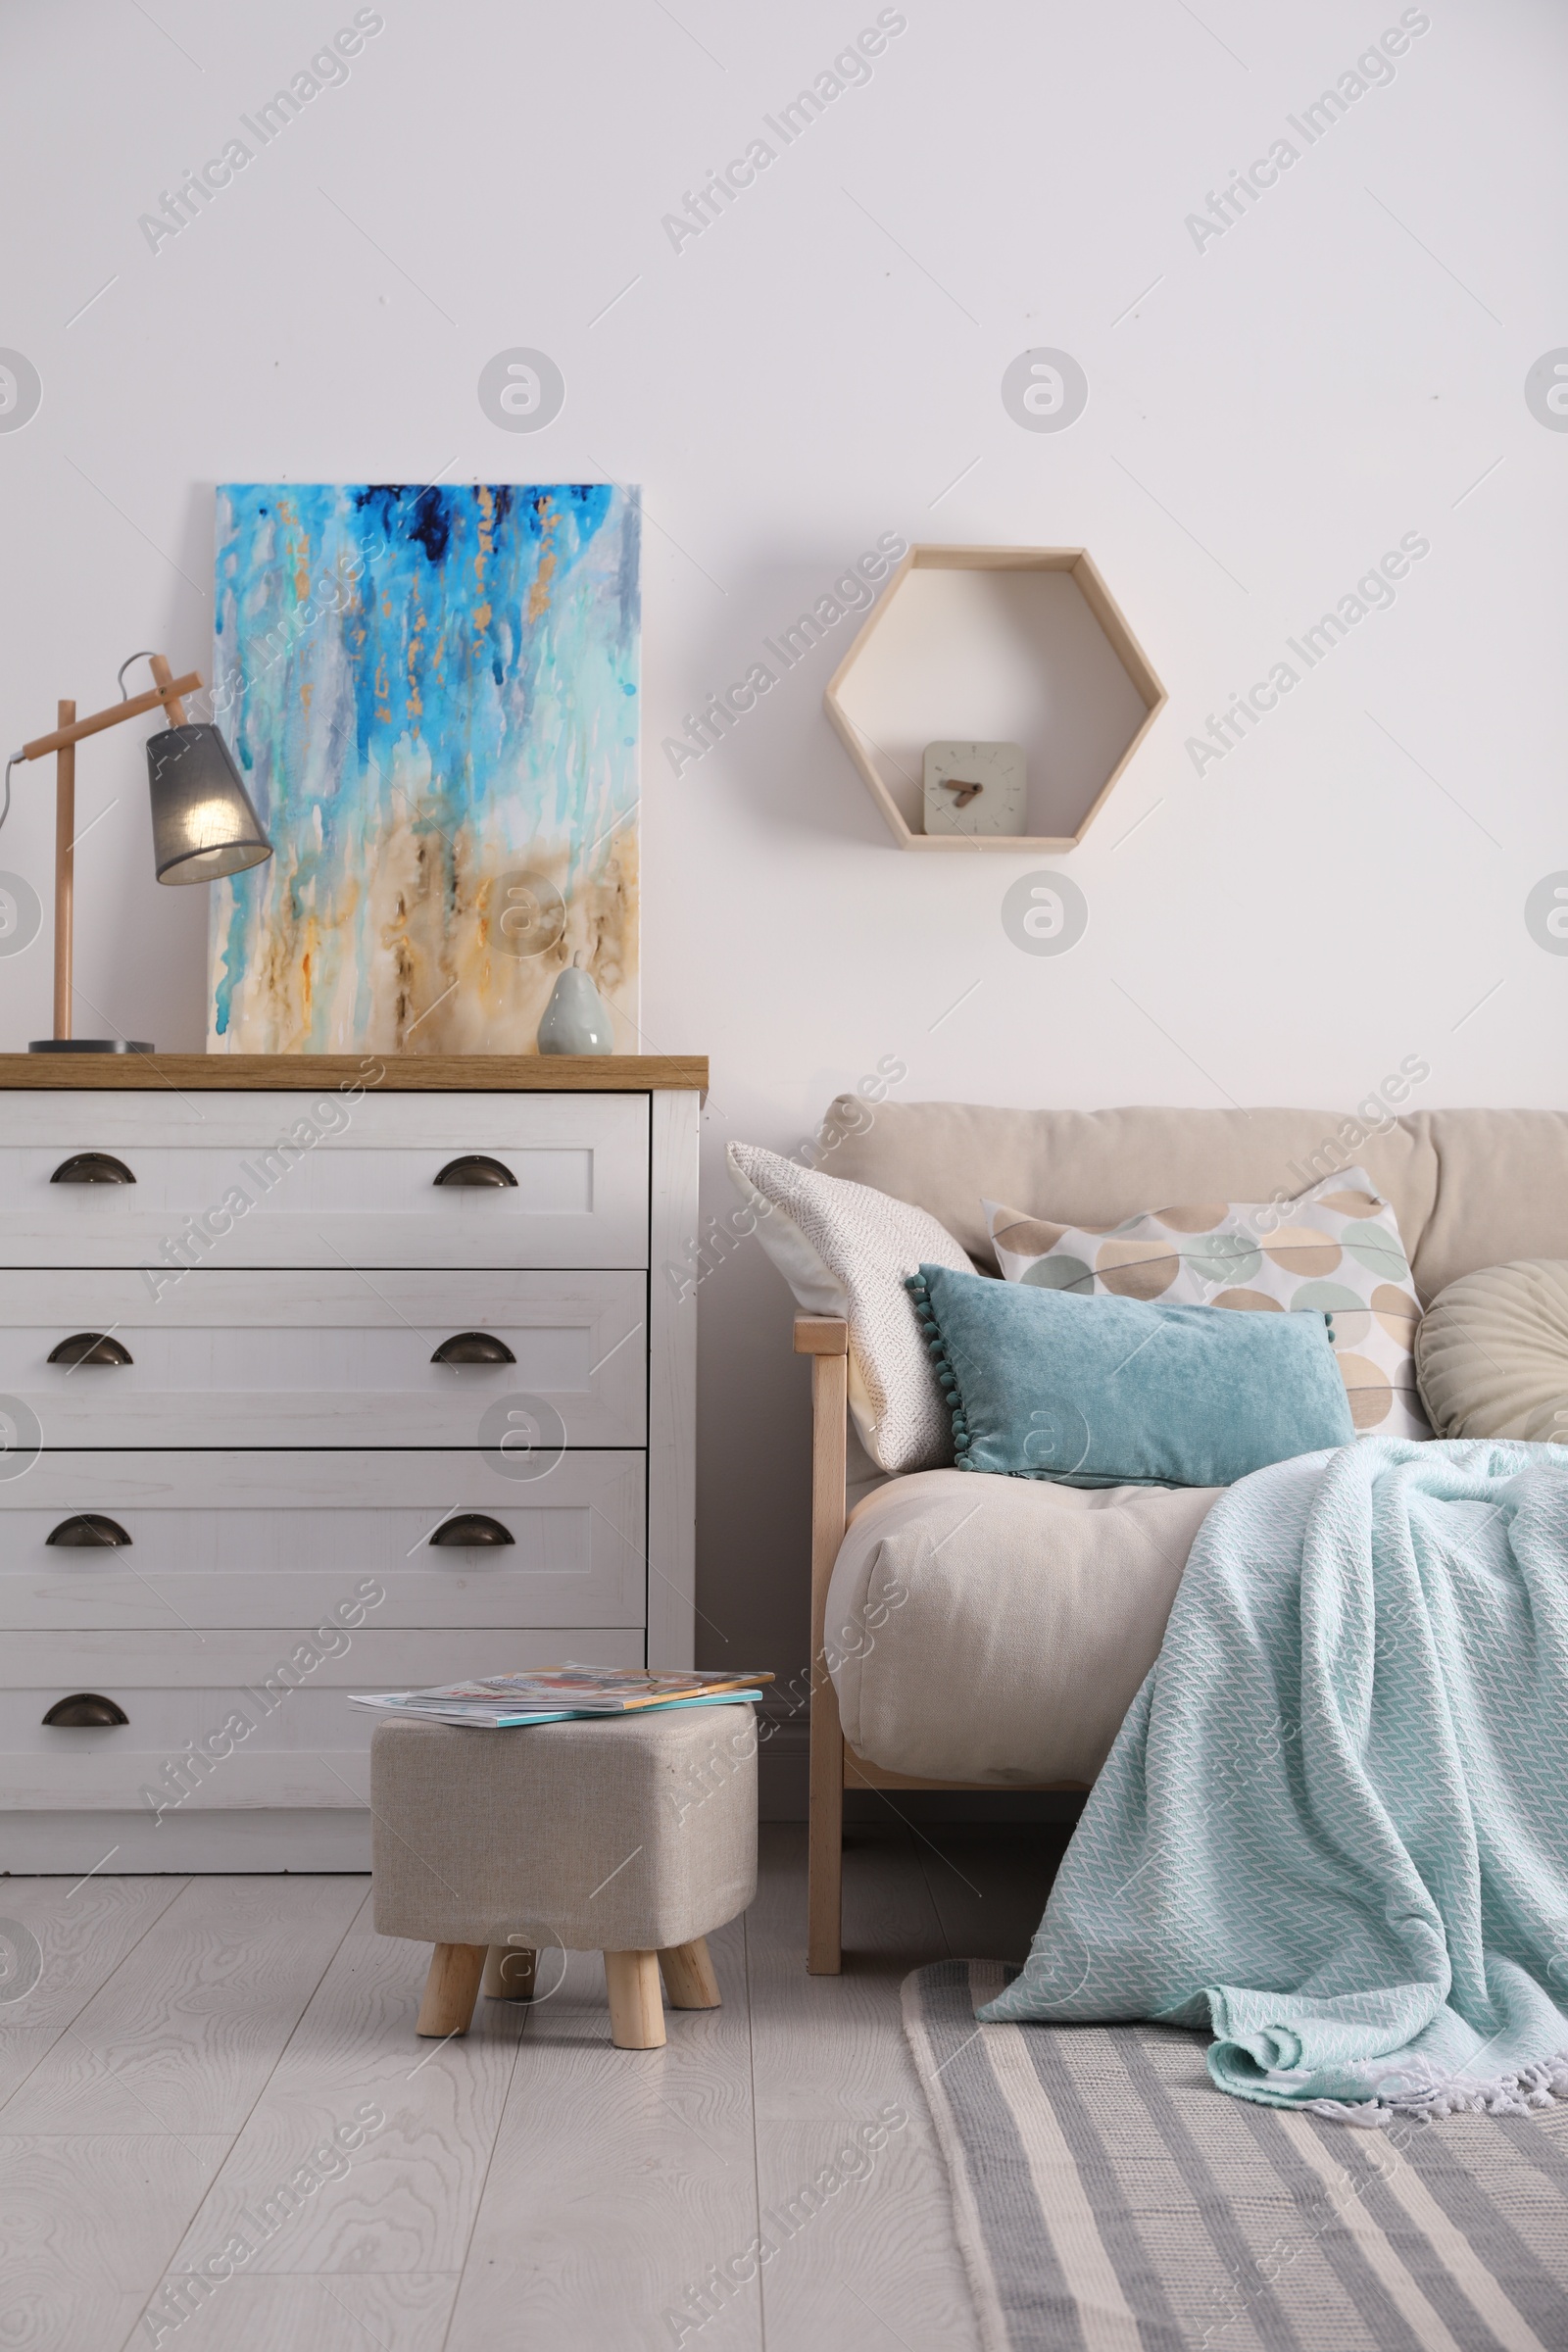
(190, 2043)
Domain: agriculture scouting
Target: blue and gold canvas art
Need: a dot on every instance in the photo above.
(433, 696)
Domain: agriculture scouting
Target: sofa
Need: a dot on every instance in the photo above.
(1002, 1626)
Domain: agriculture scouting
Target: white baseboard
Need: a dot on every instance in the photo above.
(783, 1767)
(219, 1845)
(244, 1840)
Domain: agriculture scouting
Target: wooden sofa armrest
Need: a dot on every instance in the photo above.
(825, 1339)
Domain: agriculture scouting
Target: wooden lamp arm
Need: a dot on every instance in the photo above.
(163, 694)
(167, 692)
(171, 688)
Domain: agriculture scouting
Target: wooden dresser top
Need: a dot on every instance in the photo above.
(393, 1073)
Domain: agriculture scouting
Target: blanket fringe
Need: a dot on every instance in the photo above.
(1531, 2088)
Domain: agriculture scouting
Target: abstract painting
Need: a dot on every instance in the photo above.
(433, 696)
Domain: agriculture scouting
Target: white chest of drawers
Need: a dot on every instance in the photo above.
(320, 1376)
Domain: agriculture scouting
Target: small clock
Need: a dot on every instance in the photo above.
(976, 788)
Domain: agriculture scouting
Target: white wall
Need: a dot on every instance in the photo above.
(1342, 366)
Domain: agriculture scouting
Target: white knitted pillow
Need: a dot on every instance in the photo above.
(844, 1249)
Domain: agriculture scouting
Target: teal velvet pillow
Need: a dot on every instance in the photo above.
(1096, 1391)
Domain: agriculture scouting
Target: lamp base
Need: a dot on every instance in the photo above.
(89, 1045)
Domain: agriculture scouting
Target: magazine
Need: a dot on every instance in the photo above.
(552, 1695)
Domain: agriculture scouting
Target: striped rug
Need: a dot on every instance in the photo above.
(1110, 2199)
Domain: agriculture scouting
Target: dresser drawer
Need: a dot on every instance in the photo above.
(324, 1358)
(323, 1179)
(255, 1732)
(238, 1548)
(271, 1495)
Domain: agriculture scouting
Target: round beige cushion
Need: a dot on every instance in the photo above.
(1491, 1353)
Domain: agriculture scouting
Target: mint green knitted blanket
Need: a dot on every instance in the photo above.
(1334, 1825)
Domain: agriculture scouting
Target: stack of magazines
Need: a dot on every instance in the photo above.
(502, 1700)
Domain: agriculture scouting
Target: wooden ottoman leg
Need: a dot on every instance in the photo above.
(636, 2011)
(450, 1989)
(509, 1972)
(689, 1978)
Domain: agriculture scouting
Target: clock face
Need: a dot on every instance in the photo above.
(976, 788)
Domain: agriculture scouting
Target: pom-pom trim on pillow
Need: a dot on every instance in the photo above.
(947, 1378)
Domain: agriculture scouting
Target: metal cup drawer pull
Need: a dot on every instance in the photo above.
(474, 1528)
(90, 1348)
(92, 1167)
(473, 1348)
(478, 1169)
(88, 1531)
(85, 1710)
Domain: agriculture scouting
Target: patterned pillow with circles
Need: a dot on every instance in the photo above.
(847, 1249)
(1333, 1250)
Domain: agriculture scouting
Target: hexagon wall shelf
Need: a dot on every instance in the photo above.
(986, 644)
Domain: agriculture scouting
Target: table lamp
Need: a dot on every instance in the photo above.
(204, 825)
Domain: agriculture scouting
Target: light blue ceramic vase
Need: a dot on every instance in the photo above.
(576, 1019)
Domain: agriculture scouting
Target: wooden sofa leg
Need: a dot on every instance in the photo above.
(825, 1859)
(450, 1989)
(636, 2010)
(509, 1972)
(689, 1978)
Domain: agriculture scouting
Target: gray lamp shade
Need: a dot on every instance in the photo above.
(204, 825)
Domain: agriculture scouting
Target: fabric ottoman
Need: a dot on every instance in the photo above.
(633, 1836)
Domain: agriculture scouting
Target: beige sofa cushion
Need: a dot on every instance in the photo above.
(1469, 1188)
(1492, 1353)
(1502, 1191)
(996, 1629)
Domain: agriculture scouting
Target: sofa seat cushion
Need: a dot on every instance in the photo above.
(997, 1630)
